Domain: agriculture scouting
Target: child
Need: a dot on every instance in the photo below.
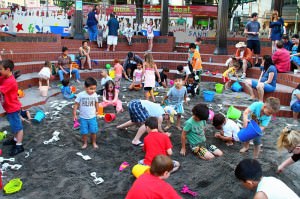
(153, 185)
(137, 78)
(228, 129)
(66, 90)
(87, 101)
(295, 103)
(261, 113)
(11, 105)
(110, 96)
(45, 74)
(198, 43)
(191, 85)
(184, 71)
(176, 96)
(100, 36)
(232, 70)
(25, 115)
(249, 172)
(196, 61)
(104, 78)
(194, 130)
(128, 32)
(290, 140)
(156, 143)
(149, 70)
(150, 35)
(163, 77)
(119, 70)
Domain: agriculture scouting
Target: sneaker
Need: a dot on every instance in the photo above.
(16, 150)
(9, 142)
(243, 76)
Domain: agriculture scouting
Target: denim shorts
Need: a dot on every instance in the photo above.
(268, 88)
(88, 126)
(296, 107)
(257, 140)
(14, 122)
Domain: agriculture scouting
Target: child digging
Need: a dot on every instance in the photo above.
(232, 70)
(110, 96)
(45, 74)
(87, 102)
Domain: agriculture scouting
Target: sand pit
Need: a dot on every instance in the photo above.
(55, 171)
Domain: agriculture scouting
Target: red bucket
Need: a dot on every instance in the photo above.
(109, 117)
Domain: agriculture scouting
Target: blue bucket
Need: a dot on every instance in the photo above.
(39, 116)
(251, 131)
(208, 96)
(236, 87)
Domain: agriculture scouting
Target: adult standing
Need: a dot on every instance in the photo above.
(65, 65)
(92, 23)
(181, 21)
(252, 31)
(130, 63)
(276, 29)
(113, 26)
(281, 58)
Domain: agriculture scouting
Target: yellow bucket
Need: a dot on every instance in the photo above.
(112, 74)
(139, 170)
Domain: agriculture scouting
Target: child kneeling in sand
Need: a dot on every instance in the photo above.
(156, 143)
(137, 78)
(153, 185)
(87, 101)
(228, 129)
(194, 132)
(249, 172)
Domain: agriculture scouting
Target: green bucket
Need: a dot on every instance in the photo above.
(233, 113)
(219, 88)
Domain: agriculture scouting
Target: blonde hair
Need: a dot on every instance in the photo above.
(274, 15)
(149, 60)
(288, 138)
(273, 103)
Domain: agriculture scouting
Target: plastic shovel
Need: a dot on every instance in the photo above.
(85, 157)
(11, 166)
(8, 159)
(96, 180)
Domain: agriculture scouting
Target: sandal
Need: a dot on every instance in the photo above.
(138, 144)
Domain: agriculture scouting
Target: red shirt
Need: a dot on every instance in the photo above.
(155, 143)
(149, 186)
(9, 94)
(281, 59)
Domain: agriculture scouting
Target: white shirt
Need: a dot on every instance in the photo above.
(186, 71)
(137, 73)
(275, 189)
(104, 80)
(87, 105)
(231, 129)
(154, 110)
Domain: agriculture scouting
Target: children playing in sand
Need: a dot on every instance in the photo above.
(228, 129)
(192, 86)
(231, 71)
(137, 78)
(45, 74)
(261, 113)
(290, 140)
(174, 98)
(87, 103)
(163, 77)
(110, 96)
(194, 132)
(149, 70)
(66, 90)
(104, 78)
(119, 71)
(25, 115)
(153, 185)
(295, 103)
(156, 143)
(11, 105)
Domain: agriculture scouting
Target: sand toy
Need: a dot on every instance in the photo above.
(3, 135)
(123, 166)
(6, 159)
(96, 180)
(55, 138)
(76, 125)
(139, 170)
(186, 189)
(85, 157)
(13, 186)
(11, 166)
(109, 117)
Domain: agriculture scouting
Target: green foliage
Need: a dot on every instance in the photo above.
(64, 4)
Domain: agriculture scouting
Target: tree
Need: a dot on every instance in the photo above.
(233, 4)
(64, 4)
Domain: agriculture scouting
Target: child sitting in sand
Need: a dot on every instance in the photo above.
(104, 78)
(262, 114)
(45, 74)
(110, 96)
(156, 143)
(290, 140)
(295, 103)
(249, 172)
(231, 71)
(152, 185)
(25, 115)
(137, 78)
(87, 102)
(66, 89)
(228, 129)
(194, 131)
(174, 98)
(163, 77)
(191, 85)
(119, 71)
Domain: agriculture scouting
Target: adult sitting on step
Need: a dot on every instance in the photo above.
(65, 66)
(266, 81)
(84, 52)
(281, 58)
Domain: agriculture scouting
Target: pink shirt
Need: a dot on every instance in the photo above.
(281, 59)
(118, 69)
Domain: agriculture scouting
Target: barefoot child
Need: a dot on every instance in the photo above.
(174, 98)
(137, 78)
(119, 71)
(194, 131)
(228, 129)
(45, 74)
(66, 89)
(232, 70)
(25, 115)
(290, 140)
(149, 70)
(110, 96)
(87, 102)
(295, 103)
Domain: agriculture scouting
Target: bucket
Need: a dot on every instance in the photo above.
(21, 93)
(109, 117)
(100, 110)
(211, 115)
(236, 87)
(73, 89)
(251, 131)
(112, 74)
(219, 88)
(233, 113)
(208, 96)
(39, 116)
(139, 170)
(44, 91)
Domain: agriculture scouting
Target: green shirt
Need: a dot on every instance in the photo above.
(195, 131)
(181, 21)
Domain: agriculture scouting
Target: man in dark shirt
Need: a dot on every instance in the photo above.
(130, 63)
(287, 44)
(113, 26)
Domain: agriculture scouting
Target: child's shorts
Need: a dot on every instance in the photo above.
(177, 107)
(200, 150)
(14, 122)
(88, 126)
(137, 112)
(147, 88)
(225, 79)
(296, 107)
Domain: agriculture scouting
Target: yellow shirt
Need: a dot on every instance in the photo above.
(230, 70)
(196, 61)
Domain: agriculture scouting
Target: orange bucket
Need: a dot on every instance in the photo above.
(100, 110)
(109, 117)
(21, 93)
(73, 89)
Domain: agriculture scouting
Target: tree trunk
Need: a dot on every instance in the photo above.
(222, 27)
(139, 11)
(164, 26)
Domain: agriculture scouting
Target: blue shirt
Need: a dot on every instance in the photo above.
(256, 109)
(113, 26)
(67, 93)
(288, 45)
(176, 96)
(265, 76)
(253, 26)
(91, 21)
